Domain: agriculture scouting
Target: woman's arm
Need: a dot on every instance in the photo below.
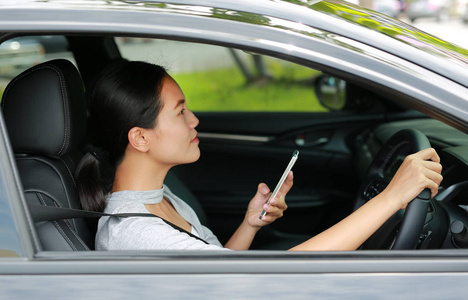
(242, 237)
(418, 171)
(355, 229)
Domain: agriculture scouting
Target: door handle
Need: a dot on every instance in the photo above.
(302, 142)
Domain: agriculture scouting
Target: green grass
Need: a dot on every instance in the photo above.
(226, 90)
(289, 89)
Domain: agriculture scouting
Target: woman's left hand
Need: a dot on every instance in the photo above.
(259, 203)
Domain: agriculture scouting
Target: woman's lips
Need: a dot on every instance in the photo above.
(195, 140)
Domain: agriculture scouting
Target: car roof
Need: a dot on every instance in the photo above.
(332, 17)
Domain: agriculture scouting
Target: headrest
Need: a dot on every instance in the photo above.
(44, 109)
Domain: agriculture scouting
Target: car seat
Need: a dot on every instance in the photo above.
(45, 115)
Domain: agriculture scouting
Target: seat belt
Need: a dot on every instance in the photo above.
(41, 213)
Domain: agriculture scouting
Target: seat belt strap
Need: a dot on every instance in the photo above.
(41, 213)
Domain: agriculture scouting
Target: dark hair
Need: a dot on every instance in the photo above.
(126, 95)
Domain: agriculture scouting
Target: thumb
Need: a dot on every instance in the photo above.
(263, 189)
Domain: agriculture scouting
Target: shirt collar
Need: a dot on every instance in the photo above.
(142, 197)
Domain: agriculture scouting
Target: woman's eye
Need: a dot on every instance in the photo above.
(182, 111)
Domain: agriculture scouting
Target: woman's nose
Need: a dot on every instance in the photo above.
(193, 121)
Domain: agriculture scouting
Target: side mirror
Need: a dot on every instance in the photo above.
(331, 92)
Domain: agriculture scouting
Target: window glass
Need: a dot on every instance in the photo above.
(21, 53)
(215, 78)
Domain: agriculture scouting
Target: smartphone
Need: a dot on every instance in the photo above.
(282, 179)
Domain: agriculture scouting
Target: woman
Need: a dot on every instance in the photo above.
(141, 128)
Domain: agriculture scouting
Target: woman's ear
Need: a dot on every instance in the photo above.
(137, 140)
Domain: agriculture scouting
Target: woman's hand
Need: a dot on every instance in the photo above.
(244, 235)
(418, 171)
(274, 210)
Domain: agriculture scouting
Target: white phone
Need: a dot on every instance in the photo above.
(282, 179)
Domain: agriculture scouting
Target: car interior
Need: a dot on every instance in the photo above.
(45, 112)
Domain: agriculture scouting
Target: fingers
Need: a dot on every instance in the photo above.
(433, 179)
(273, 212)
(431, 169)
(425, 170)
(279, 200)
(276, 207)
(287, 185)
(278, 204)
(431, 165)
(418, 171)
(428, 154)
(429, 179)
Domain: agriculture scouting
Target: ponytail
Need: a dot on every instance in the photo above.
(92, 188)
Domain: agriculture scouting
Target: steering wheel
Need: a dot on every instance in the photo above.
(395, 234)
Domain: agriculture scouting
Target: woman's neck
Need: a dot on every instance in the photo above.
(138, 174)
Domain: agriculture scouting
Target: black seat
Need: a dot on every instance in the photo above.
(45, 114)
(181, 190)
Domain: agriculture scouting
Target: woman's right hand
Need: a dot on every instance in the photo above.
(418, 171)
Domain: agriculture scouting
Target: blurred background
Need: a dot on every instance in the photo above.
(446, 19)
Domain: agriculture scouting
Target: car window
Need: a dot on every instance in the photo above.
(216, 78)
(21, 53)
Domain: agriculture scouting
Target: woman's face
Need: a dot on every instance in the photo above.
(174, 139)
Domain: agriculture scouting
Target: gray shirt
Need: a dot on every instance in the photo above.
(143, 233)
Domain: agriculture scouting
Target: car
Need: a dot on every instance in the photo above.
(465, 14)
(438, 9)
(389, 7)
(353, 90)
(18, 54)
